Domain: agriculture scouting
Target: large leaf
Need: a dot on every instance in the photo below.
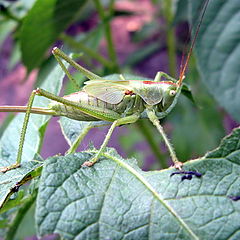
(218, 52)
(42, 25)
(116, 200)
(9, 142)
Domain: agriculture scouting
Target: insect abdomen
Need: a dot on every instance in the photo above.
(90, 103)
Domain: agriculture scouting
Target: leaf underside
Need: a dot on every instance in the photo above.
(117, 200)
(218, 52)
(9, 142)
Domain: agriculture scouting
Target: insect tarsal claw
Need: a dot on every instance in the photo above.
(37, 91)
(178, 165)
(54, 50)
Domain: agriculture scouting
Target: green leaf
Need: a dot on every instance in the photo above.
(218, 52)
(42, 26)
(187, 92)
(115, 199)
(12, 180)
(181, 13)
(9, 142)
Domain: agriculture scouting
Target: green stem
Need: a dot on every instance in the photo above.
(171, 41)
(79, 45)
(147, 133)
(19, 217)
(108, 32)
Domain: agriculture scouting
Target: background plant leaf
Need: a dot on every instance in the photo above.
(218, 52)
(36, 128)
(116, 200)
(42, 25)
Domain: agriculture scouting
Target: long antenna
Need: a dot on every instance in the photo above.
(183, 68)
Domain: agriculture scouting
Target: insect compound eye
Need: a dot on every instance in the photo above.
(172, 93)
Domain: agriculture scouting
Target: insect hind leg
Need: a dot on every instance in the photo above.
(58, 54)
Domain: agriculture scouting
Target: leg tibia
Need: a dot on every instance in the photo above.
(121, 121)
(60, 54)
(22, 135)
(153, 118)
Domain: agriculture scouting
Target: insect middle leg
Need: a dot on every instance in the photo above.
(125, 120)
(81, 136)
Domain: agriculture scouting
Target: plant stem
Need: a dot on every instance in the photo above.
(147, 133)
(108, 33)
(19, 217)
(171, 41)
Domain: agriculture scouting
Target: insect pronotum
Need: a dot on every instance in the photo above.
(116, 101)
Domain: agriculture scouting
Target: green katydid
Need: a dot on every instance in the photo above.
(117, 101)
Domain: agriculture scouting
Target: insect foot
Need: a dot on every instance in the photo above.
(178, 165)
(6, 169)
(187, 174)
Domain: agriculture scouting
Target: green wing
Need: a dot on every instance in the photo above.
(107, 90)
(152, 94)
(111, 91)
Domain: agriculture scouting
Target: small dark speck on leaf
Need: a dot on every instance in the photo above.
(234, 198)
(187, 174)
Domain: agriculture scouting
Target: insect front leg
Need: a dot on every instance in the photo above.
(125, 120)
(154, 119)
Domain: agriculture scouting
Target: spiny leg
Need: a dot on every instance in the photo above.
(60, 54)
(153, 118)
(125, 120)
(22, 135)
(65, 69)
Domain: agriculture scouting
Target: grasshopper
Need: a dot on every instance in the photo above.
(116, 101)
